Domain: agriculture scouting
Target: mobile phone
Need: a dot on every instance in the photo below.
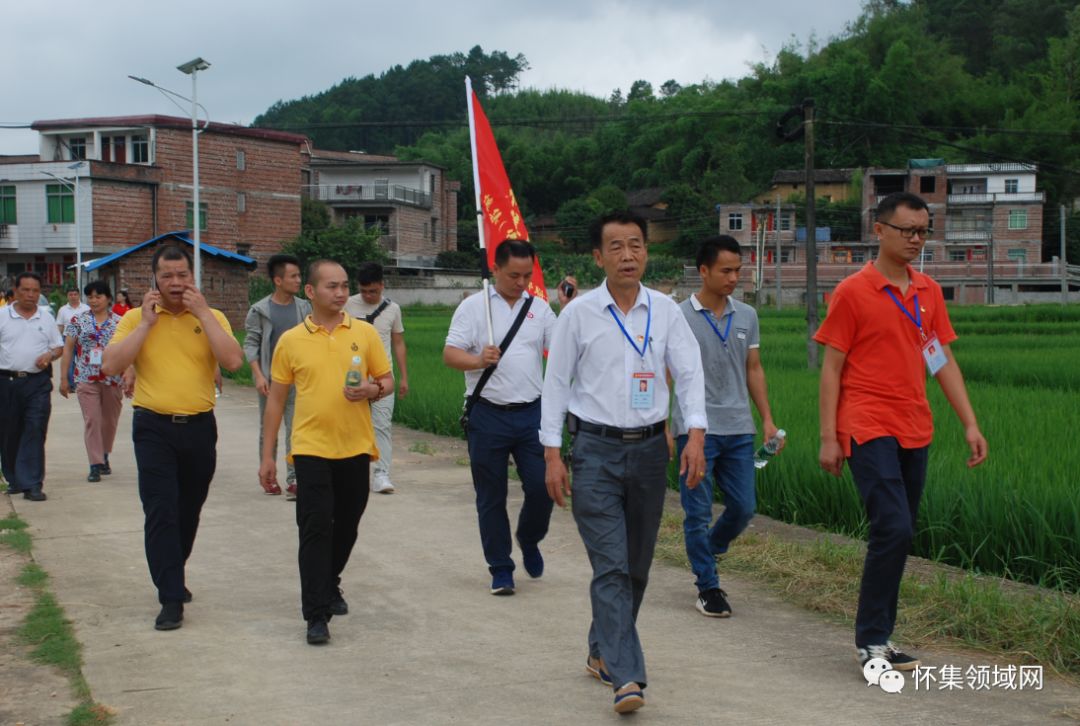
(153, 281)
(568, 289)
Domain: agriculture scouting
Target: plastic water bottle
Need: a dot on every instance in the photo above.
(355, 376)
(769, 449)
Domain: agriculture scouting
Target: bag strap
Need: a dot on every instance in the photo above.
(490, 370)
(370, 317)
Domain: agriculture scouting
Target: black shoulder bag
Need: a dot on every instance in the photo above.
(370, 317)
(490, 370)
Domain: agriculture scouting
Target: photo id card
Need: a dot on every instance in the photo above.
(934, 355)
(642, 390)
(95, 356)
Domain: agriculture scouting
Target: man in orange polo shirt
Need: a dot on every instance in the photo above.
(339, 368)
(887, 326)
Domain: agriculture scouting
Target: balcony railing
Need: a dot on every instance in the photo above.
(997, 198)
(389, 193)
(1006, 167)
(963, 235)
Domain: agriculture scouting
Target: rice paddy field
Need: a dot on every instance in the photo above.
(1017, 515)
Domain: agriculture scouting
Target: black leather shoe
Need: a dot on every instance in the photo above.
(170, 617)
(188, 597)
(38, 496)
(338, 606)
(317, 631)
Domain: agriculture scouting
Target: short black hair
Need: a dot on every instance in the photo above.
(887, 206)
(369, 273)
(711, 248)
(171, 252)
(70, 288)
(275, 266)
(622, 216)
(100, 287)
(513, 248)
(27, 274)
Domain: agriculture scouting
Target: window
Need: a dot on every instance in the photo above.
(431, 184)
(434, 229)
(382, 188)
(241, 160)
(60, 202)
(927, 184)
(202, 216)
(140, 149)
(77, 147)
(734, 221)
(1017, 219)
(1018, 254)
(858, 255)
(785, 255)
(241, 202)
(927, 255)
(114, 148)
(785, 223)
(1012, 186)
(243, 248)
(7, 205)
(957, 255)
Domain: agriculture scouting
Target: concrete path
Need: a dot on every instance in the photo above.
(424, 642)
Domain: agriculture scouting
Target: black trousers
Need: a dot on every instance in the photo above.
(26, 404)
(176, 462)
(890, 480)
(331, 497)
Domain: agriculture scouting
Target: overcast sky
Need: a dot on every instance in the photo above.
(71, 59)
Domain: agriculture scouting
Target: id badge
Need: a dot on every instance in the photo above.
(95, 356)
(642, 390)
(934, 355)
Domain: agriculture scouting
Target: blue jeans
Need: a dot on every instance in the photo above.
(26, 404)
(729, 462)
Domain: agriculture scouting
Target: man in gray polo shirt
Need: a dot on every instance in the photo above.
(727, 333)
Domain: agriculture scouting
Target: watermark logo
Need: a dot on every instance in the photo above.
(879, 672)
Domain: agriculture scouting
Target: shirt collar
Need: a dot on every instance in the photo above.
(15, 314)
(158, 308)
(492, 292)
(312, 327)
(729, 305)
(605, 299)
(880, 282)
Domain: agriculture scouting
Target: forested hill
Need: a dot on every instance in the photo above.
(965, 80)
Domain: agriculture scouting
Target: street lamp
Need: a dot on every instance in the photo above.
(192, 68)
(78, 224)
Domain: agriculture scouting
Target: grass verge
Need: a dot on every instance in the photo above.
(938, 607)
(49, 633)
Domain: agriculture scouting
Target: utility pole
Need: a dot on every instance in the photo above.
(1064, 263)
(779, 305)
(811, 239)
(990, 271)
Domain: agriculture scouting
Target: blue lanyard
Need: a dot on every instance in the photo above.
(727, 328)
(917, 318)
(648, 327)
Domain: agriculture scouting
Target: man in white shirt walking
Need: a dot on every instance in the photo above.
(606, 368)
(372, 307)
(506, 416)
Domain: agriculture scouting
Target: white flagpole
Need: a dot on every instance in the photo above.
(479, 206)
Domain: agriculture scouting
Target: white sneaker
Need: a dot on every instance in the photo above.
(381, 485)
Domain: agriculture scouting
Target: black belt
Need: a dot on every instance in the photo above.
(508, 406)
(22, 374)
(612, 432)
(174, 418)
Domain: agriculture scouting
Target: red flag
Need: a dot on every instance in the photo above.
(502, 217)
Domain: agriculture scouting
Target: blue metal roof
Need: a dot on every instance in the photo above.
(181, 236)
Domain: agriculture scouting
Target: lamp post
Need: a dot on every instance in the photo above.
(192, 68)
(78, 232)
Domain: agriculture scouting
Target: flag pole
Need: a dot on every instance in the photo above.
(485, 273)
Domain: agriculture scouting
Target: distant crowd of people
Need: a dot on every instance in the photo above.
(633, 377)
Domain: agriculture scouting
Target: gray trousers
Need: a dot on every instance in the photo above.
(382, 416)
(618, 499)
(290, 405)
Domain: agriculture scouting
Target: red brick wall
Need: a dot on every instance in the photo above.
(123, 214)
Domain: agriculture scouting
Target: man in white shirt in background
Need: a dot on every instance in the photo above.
(370, 306)
(606, 369)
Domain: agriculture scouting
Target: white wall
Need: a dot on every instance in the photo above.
(32, 233)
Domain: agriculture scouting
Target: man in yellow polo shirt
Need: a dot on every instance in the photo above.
(175, 341)
(338, 366)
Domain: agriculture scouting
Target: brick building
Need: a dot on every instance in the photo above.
(412, 202)
(134, 182)
(224, 273)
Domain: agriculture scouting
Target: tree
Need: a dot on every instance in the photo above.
(574, 218)
(669, 88)
(640, 91)
(350, 245)
(314, 215)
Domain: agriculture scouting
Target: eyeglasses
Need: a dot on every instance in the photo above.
(909, 232)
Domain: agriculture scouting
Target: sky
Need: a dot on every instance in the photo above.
(72, 59)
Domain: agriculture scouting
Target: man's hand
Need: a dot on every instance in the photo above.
(365, 391)
(977, 444)
(196, 303)
(262, 385)
(563, 299)
(403, 387)
(127, 382)
(149, 310)
(268, 476)
(692, 461)
(769, 429)
(555, 476)
(489, 356)
(42, 362)
(831, 457)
